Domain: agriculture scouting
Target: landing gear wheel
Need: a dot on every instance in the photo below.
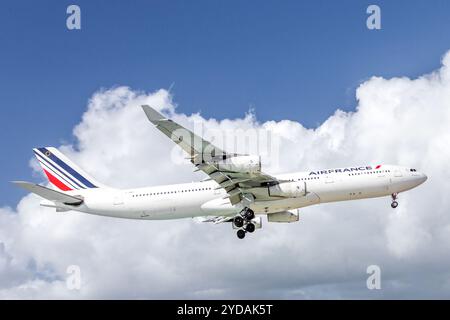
(240, 234)
(250, 227)
(238, 222)
(394, 204)
(249, 215)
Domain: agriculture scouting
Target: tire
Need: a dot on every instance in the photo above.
(240, 234)
(250, 227)
(249, 215)
(238, 221)
(394, 204)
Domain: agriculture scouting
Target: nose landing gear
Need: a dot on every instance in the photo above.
(394, 203)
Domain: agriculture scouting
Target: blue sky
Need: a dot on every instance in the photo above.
(298, 60)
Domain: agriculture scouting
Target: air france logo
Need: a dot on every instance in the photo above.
(342, 170)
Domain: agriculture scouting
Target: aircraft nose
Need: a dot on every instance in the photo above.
(423, 178)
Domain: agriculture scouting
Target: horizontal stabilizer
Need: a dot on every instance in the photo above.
(49, 194)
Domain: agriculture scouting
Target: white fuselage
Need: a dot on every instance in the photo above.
(207, 199)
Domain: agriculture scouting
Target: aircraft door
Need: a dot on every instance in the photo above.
(118, 199)
(398, 173)
(329, 179)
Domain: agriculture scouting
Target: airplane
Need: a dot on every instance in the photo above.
(236, 190)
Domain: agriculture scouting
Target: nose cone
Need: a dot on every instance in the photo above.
(422, 178)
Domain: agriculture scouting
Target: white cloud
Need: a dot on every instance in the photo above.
(400, 121)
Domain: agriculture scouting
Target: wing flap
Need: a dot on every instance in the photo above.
(214, 219)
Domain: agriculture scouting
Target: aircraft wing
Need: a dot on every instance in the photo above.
(49, 194)
(203, 155)
(187, 140)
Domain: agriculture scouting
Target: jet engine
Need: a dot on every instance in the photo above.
(241, 164)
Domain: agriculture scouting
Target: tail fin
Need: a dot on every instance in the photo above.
(62, 172)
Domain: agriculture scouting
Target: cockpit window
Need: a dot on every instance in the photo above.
(412, 170)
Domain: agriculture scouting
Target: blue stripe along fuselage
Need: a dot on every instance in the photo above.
(63, 165)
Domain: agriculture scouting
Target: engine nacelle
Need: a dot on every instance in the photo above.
(241, 164)
(284, 216)
(294, 189)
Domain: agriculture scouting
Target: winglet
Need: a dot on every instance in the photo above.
(153, 115)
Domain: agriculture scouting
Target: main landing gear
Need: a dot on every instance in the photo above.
(243, 222)
(394, 203)
(238, 221)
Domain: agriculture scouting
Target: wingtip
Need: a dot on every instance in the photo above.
(152, 114)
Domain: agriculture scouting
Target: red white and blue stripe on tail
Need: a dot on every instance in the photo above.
(62, 172)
